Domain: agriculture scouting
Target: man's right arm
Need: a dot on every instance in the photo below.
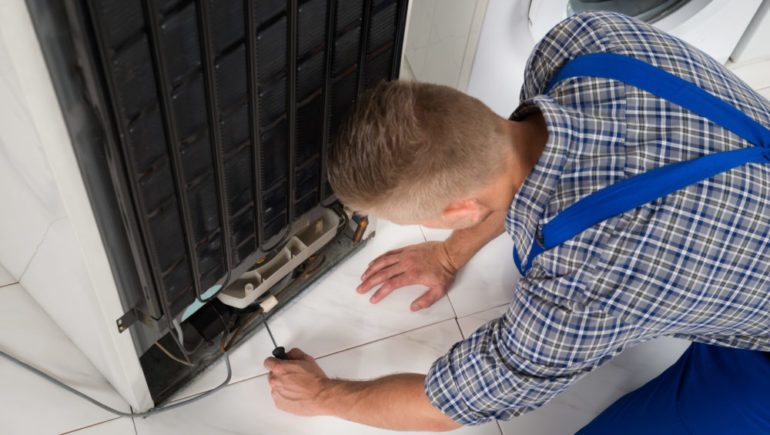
(432, 264)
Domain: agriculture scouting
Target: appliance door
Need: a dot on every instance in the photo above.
(703, 23)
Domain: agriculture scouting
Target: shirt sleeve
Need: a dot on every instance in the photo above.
(579, 34)
(518, 362)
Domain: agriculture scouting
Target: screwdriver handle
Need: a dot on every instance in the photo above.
(280, 353)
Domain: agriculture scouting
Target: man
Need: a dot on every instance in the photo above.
(693, 263)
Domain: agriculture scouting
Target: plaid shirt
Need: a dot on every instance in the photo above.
(693, 264)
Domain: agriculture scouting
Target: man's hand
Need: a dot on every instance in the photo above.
(427, 264)
(399, 402)
(297, 384)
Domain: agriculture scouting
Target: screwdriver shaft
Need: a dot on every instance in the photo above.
(278, 351)
(270, 333)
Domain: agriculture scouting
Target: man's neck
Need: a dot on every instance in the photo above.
(528, 138)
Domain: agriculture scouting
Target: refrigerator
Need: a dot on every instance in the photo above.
(172, 154)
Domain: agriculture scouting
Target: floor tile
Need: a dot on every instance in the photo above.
(246, 362)
(5, 277)
(27, 333)
(489, 278)
(765, 92)
(119, 426)
(472, 322)
(331, 316)
(584, 400)
(246, 407)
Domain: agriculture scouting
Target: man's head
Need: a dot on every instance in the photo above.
(419, 153)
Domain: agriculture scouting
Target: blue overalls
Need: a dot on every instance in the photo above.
(710, 389)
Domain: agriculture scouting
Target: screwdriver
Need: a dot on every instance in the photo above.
(279, 352)
(268, 304)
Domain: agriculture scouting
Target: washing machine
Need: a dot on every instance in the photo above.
(512, 27)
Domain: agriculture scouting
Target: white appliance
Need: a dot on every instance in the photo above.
(511, 28)
(228, 106)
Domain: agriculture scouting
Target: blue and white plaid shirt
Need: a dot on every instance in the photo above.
(693, 264)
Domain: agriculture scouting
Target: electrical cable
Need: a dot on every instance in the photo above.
(175, 328)
(170, 355)
(173, 325)
(112, 410)
(109, 408)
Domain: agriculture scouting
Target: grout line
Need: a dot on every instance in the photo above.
(500, 428)
(484, 310)
(9, 284)
(422, 231)
(384, 338)
(89, 426)
(462, 334)
(133, 422)
(446, 295)
(365, 344)
(329, 354)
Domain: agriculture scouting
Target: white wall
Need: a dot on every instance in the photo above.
(503, 49)
(441, 40)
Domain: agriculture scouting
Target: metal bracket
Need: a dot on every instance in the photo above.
(128, 319)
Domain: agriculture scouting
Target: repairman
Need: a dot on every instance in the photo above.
(634, 180)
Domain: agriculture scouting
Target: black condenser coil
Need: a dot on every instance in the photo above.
(221, 112)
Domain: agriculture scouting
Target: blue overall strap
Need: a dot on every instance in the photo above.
(643, 188)
(665, 85)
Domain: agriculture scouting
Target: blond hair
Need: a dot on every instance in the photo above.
(407, 149)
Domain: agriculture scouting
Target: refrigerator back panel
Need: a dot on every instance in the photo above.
(221, 113)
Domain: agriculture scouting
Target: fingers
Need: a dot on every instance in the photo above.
(379, 278)
(395, 283)
(381, 263)
(394, 251)
(277, 366)
(297, 354)
(427, 299)
(270, 363)
(273, 380)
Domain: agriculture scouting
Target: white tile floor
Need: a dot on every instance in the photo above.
(350, 337)
(487, 280)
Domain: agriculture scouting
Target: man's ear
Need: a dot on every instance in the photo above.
(465, 211)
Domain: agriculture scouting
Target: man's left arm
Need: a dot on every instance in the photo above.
(399, 402)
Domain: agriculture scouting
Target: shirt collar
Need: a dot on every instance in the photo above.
(530, 203)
